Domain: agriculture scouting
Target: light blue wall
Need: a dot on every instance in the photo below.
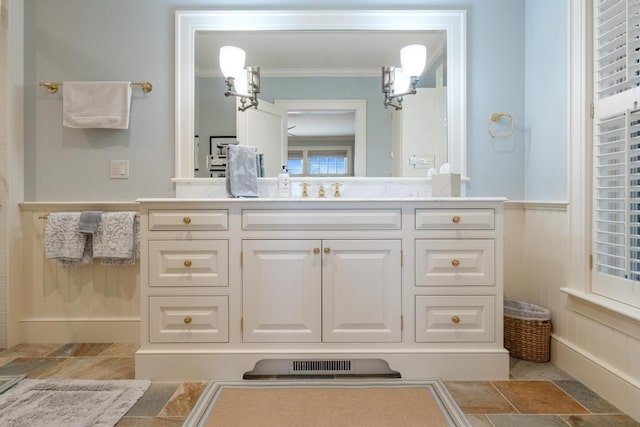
(546, 93)
(134, 40)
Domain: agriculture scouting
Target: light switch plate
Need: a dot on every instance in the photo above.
(119, 169)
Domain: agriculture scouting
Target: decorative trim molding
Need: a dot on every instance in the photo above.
(43, 206)
(618, 388)
(613, 314)
(89, 330)
(533, 205)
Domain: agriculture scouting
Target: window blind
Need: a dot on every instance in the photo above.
(616, 215)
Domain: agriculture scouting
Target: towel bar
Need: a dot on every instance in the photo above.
(52, 87)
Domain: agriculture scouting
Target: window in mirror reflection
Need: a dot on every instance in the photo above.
(320, 161)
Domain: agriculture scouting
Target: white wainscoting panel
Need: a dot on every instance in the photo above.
(91, 303)
(536, 267)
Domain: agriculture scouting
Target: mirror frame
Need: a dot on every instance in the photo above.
(187, 23)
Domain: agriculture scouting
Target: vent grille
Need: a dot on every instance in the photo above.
(324, 366)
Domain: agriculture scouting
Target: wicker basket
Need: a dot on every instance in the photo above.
(527, 331)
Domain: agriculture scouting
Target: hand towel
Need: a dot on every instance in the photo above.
(136, 250)
(242, 177)
(115, 239)
(89, 221)
(63, 240)
(96, 104)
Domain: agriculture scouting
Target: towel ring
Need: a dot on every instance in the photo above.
(495, 117)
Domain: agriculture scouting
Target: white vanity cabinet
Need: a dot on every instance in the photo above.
(228, 282)
(321, 290)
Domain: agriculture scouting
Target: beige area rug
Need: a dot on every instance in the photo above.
(312, 403)
(49, 403)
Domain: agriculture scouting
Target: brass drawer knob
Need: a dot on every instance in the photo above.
(316, 251)
(187, 263)
(455, 263)
(455, 319)
(187, 320)
(455, 219)
(186, 220)
(327, 250)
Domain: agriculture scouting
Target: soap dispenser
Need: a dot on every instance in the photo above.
(284, 183)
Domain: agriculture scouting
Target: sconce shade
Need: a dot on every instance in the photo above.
(242, 83)
(413, 59)
(401, 81)
(231, 61)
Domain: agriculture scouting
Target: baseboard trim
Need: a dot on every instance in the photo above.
(620, 390)
(66, 331)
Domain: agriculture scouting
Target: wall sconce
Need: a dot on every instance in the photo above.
(398, 82)
(243, 82)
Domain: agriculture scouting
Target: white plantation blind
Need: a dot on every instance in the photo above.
(617, 46)
(616, 240)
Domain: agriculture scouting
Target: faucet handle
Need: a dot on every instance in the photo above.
(336, 192)
(305, 189)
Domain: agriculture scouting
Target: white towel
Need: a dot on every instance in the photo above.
(117, 240)
(63, 240)
(242, 176)
(96, 104)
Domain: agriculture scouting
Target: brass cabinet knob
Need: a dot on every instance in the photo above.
(187, 320)
(455, 263)
(187, 263)
(455, 319)
(327, 250)
(316, 251)
(455, 219)
(186, 220)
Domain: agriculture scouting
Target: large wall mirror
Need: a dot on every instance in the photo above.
(291, 49)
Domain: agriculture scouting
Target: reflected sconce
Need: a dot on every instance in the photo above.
(243, 82)
(398, 82)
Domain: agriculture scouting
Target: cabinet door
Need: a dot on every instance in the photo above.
(361, 290)
(281, 290)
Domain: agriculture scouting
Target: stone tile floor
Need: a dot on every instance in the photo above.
(538, 394)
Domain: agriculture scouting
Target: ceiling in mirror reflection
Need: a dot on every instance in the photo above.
(315, 53)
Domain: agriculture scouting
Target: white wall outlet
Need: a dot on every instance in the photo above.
(119, 169)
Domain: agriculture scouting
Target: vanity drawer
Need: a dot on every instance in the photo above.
(455, 219)
(188, 263)
(322, 219)
(454, 318)
(188, 220)
(449, 262)
(189, 319)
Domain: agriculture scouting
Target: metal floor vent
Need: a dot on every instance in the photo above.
(321, 368)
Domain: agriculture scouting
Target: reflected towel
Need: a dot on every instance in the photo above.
(242, 176)
(115, 238)
(63, 240)
(96, 104)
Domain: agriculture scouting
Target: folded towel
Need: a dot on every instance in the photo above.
(89, 221)
(242, 177)
(96, 104)
(63, 240)
(116, 239)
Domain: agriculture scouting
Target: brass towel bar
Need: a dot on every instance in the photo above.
(52, 87)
